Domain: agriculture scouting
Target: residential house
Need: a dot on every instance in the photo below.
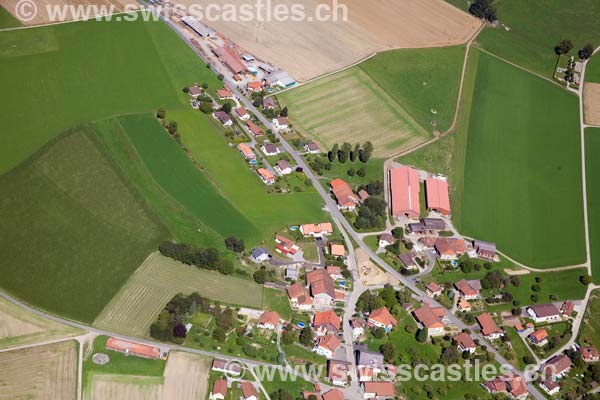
(566, 309)
(316, 230)
(489, 329)
(337, 250)
(280, 78)
(226, 367)
(299, 297)
(495, 386)
(312, 148)
(322, 287)
(242, 113)
(194, 90)
(463, 305)
(344, 196)
(283, 167)
(254, 86)
(246, 151)
(378, 390)
(248, 391)
(286, 246)
(369, 359)
(437, 196)
(433, 289)
(358, 327)
(450, 248)
(589, 354)
(333, 394)
(539, 337)
(338, 372)
(404, 192)
(254, 129)
(464, 342)
(467, 291)
(431, 318)
(426, 226)
(270, 149)
(259, 255)
(550, 385)
(327, 345)
(558, 366)
(409, 260)
(382, 318)
(292, 272)
(386, 239)
(268, 103)
(266, 176)
(544, 313)
(281, 123)
(225, 93)
(219, 390)
(326, 323)
(269, 320)
(365, 374)
(485, 250)
(513, 386)
(223, 117)
(334, 272)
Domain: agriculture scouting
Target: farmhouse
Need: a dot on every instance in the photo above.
(427, 226)
(344, 196)
(254, 129)
(194, 90)
(378, 390)
(489, 329)
(248, 391)
(242, 113)
(132, 348)
(286, 246)
(230, 59)
(312, 148)
(254, 86)
(382, 318)
(544, 313)
(566, 309)
(283, 167)
(266, 176)
(433, 289)
(223, 117)
(281, 79)
(466, 290)
(316, 230)
(226, 367)
(464, 342)
(269, 320)
(268, 103)
(326, 323)
(259, 255)
(334, 272)
(437, 195)
(322, 287)
(219, 390)
(338, 372)
(327, 345)
(431, 318)
(270, 149)
(358, 327)
(558, 366)
(198, 27)
(404, 192)
(299, 297)
(409, 260)
(539, 337)
(225, 93)
(589, 354)
(386, 239)
(450, 248)
(485, 250)
(280, 123)
(337, 250)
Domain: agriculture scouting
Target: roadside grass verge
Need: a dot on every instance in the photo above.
(589, 332)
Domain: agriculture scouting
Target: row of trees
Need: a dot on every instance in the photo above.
(207, 258)
(346, 152)
(565, 46)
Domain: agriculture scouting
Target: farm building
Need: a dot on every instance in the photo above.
(281, 79)
(248, 391)
(437, 196)
(219, 390)
(198, 27)
(404, 192)
(485, 250)
(544, 313)
(450, 248)
(132, 348)
(230, 59)
(427, 226)
(344, 196)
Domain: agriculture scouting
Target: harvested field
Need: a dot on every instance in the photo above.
(43, 372)
(309, 49)
(129, 387)
(157, 280)
(591, 102)
(18, 327)
(351, 107)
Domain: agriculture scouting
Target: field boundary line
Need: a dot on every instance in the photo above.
(42, 343)
(100, 17)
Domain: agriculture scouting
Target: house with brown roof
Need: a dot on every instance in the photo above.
(270, 149)
(365, 374)
(269, 320)
(327, 345)
(409, 260)
(362, 195)
(433, 289)
(282, 167)
(539, 337)
(281, 123)
(378, 390)
(544, 313)
(322, 288)
(312, 148)
(338, 372)
(404, 192)
(450, 248)
(566, 309)
(226, 367)
(550, 386)
(316, 230)
(589, 354)
(358, 327)
(485, 250)
(223, 117)
(254, 129)
(219, 390)
(225, 93)
(194, 90)
(467, 291)
(248, 391)
(299, 297)
(334, 272)
(242, 113)
(558, 366)
(286, 246)
(431, 318)
(230, 59)
(495, 386)
(268, 103)
(426, 226)
(464, 342)
(337, 250)
(511, 385)
(463, 305)
(382, 318)
(326, 323)
(489, 329)
(386, 239)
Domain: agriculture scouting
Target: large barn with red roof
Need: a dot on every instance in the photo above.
(404, 192)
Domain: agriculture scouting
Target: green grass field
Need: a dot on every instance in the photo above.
(72, 228)
(86, 71)
(535, 27)
(592, 171)
(421, 80)
(589, 332)
(7, 20)
(564, 285)
(523, 165)
(592, 69)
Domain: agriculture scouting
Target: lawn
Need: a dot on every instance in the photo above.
(592, 171)
(292, 384)
(373, 171)
(592, 70)
(7, 20)
(520, 349)
(225, 168)
(277, 300)
(536, 26)
(421, 80)
(522, 165)
(565, 285)
(64, 57)
(350, 106)
(72, 228)
(589, 333)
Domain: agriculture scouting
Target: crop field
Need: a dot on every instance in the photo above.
(421, 80)
(40, 373)
(64, 56)
(90, 229)
(351, 107)
(18, 327)
(592, 171)
(522, 164)
(157, 280)
(307, 49)
(535, 27)
(591, 101)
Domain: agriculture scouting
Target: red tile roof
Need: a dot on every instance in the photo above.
(269, 317)
(450, 246)
(383, 316)
(430, 317)
(487, 324)
(405, 188)
(333, 394)
(138, 349)
(437, 195)
(464, 340)
(327, 318)
(220, 387)
(465, 288)
(539, 335)
(329, 342)
(382, 389)
(248, 390)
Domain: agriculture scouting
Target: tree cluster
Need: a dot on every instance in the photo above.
(234, 244)
(483, 9)
(372, 214)
(347, 152)
(374, 188)
(169, 325)
(207, 258)
(388, 297)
